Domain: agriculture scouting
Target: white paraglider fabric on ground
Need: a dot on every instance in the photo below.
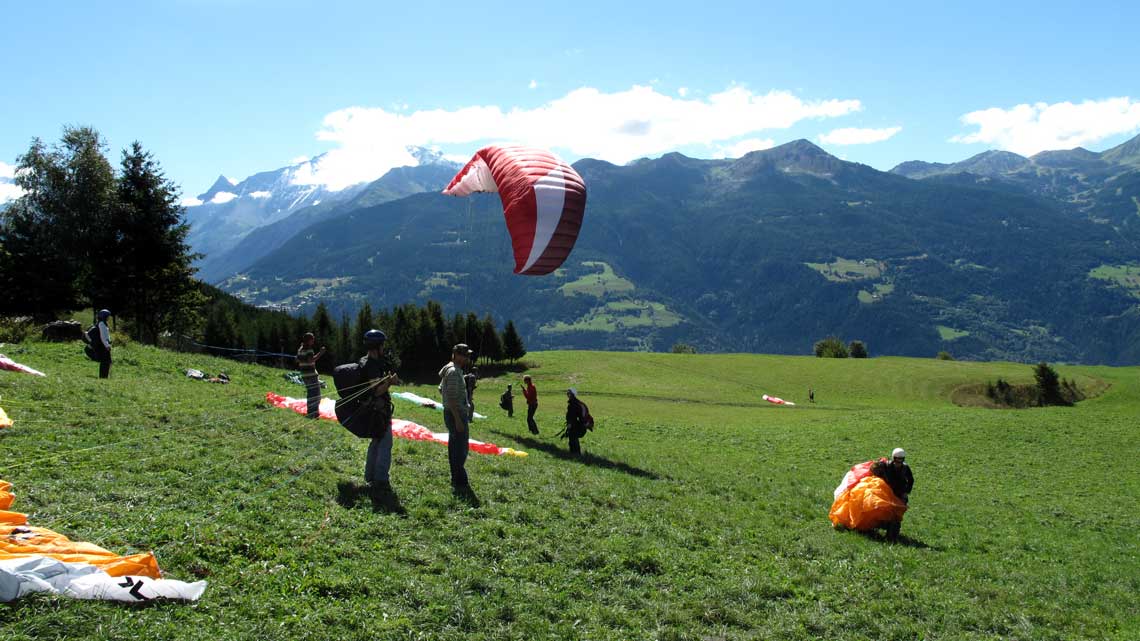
(26, 575)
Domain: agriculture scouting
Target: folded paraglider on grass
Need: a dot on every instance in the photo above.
(35, 559)
(864, 501)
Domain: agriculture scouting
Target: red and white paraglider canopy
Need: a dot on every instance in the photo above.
(543, 201)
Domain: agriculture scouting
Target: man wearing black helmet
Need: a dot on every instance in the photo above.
(380, 370)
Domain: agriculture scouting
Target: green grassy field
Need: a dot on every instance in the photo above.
(699, 511)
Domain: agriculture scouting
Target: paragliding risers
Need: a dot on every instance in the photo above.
(865, 502)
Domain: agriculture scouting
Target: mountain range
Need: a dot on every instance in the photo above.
(996, 257)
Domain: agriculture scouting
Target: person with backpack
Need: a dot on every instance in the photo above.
(470, 380)
(379, 374)
(453, 390)
(307, 364)
(531, 395)
(578, 421)
(507, 401)
(98, 339)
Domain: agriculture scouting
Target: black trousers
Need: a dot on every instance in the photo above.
(105, 367)
(530, 410)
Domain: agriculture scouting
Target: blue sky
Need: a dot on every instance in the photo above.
(239, 86)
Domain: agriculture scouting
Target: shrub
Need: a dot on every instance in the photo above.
(944, 356)
(830, 347)
(857, 349)
(15, 329)
(684, 348)
(1048, 386)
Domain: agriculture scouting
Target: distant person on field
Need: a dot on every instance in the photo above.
(531, 395)
(469, 381)
(811, 394)
(507, 401)
(380, 371)
(307, 364)
(576, 421)
(456, 413)
(898, 476)
(99, 339)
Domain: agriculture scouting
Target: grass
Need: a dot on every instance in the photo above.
(949, 333)
(616, 315)
(598, 285)
(843, 270)
(699, 511)
(881, 290)
(1126, 276)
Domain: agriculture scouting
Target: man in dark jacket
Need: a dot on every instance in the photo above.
(379, 369)
(575, 421)
(898, 476)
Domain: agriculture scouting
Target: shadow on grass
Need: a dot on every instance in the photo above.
(902, 539)
(593, 460)
(349, 495)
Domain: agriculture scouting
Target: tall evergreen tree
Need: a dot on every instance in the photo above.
(513, 348)
(364, 322)
(153, 275)
(492, 345)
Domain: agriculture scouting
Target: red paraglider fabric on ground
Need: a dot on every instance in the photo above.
(401, 428)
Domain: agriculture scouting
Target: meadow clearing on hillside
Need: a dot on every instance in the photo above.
(699, 511)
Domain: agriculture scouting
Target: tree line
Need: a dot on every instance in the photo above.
(420, 338)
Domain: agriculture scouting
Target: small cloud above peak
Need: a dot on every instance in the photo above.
(857, 136)
(533, 84)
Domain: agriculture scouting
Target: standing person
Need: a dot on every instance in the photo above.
(99, 336)
(507, 401)
(379, 370)
(898, 476)
(307, 363)
(811, 394)
(531, 395)
(575, 421)
(469, 380)
(453, 390)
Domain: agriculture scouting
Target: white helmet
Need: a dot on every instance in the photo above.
(898, 453)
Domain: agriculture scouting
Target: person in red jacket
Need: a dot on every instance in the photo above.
(531, 395)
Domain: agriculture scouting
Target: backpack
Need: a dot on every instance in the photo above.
(505, 401)
(358, 410)
(587, 420)
(94, 344)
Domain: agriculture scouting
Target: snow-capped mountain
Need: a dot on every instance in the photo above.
(276, 204)
(226, 212)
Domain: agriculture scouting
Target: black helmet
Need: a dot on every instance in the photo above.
(103, 314)
(374, 338)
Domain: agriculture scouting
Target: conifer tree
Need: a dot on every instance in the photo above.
(490, 342)
(513, 348)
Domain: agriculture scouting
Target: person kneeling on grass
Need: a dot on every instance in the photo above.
(897, 474)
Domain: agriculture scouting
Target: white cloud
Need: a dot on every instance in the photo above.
(1028, 129)
(683, 92)
(190, 202)
(856, 136)
(617, 127)
(231, 180)
(8, 189)
(533, 84)
(222, 197)
(298, 160)
(738, 149)
(260, 194)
